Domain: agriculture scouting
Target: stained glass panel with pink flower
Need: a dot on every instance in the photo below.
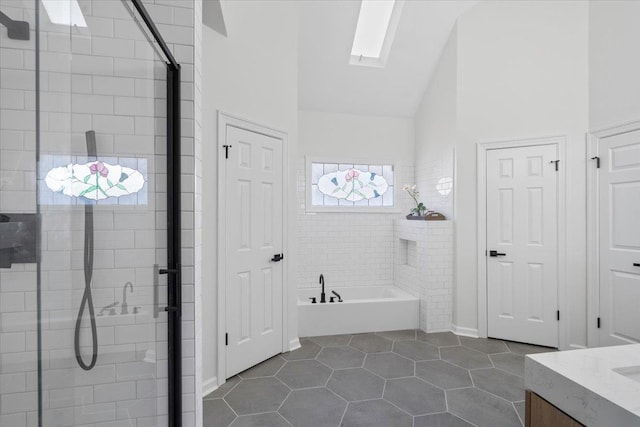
(351, 185)
(97, 180)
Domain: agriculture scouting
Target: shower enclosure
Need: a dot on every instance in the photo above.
(89, 216)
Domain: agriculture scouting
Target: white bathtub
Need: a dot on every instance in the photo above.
(364, 309)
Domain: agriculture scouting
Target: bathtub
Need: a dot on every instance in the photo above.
(364, 309)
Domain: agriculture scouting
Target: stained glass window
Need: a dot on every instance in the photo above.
(114, 180)
(352, 185)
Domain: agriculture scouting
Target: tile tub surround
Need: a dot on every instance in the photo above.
(396, 378)
(423, 266)
(364, 309)
(589, 384)
(350, 249)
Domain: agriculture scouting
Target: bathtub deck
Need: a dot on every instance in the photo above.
(381, 379)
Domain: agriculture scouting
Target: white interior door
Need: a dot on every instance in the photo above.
(522, 216)
(254, 230)
(619, 212)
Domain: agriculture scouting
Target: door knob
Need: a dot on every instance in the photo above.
(277, 257)
(636, 264)
(496, 253)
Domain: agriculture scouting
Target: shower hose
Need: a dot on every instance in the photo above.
(87, 298)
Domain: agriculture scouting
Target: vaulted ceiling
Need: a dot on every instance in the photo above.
(327, 82)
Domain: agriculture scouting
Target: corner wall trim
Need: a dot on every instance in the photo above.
(464, 332)
(209, 386)
(294, 344)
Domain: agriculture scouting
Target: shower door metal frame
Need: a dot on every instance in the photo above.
(174, 245)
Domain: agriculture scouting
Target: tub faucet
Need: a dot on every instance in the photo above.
(322, 294)
(124, 307)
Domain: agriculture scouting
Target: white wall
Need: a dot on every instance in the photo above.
(614, 65)
(252, 74)
(351, 249)
(522, 72)
(435, 129)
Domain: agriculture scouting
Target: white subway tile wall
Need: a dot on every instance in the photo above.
(431, 276)
(96, 78)
(350, 249)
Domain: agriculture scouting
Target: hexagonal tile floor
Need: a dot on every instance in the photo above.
(397, 378)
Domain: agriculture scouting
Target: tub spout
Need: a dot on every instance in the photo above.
(323, 297)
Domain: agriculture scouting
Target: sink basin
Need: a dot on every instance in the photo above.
(631, 372)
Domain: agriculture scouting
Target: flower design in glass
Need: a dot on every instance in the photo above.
(94, 180)
(353, 185)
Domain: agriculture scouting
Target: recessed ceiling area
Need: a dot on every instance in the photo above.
(328, 82)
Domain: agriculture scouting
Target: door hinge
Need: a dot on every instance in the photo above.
(226, 339)
(226, 151)
(558, 315)
(556, 162)
(597, 159)
(598, 323)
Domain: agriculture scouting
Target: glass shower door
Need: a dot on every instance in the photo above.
(83, 194)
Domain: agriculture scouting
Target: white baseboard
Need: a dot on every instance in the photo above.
(209, 386)
(433, 331)
(294, 344)
(465, 332)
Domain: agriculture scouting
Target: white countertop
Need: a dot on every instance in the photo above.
(585, 385)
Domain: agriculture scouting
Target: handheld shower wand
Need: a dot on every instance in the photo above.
(87, 298)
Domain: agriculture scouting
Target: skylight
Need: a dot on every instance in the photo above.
(64, 12)
(376, 28)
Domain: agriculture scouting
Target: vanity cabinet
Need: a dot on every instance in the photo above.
(540, 413)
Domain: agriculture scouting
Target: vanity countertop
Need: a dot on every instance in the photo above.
(596, 386)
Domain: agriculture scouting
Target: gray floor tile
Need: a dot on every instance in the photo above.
(316, 407)
(341, 357)
(308, 350)
(481, 408)
(270, 419)
(444, 419)
(223, 389)
(500, 383)
(257, 395)
(268, 368)
(332, 340)
(416, 350)
(440, 339)
(520, 406)
(415, 396)
(443, 374)
(520, 348)
(465, 357)
(371, 343)
(375, 413)
(407, 334)
(389, 365)
(216, 413)
(485, 345)
(356, 384)
(509, 362)
(304, 373)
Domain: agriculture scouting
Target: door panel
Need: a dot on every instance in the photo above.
(254, 283)
(522, 284)
(619, 211)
